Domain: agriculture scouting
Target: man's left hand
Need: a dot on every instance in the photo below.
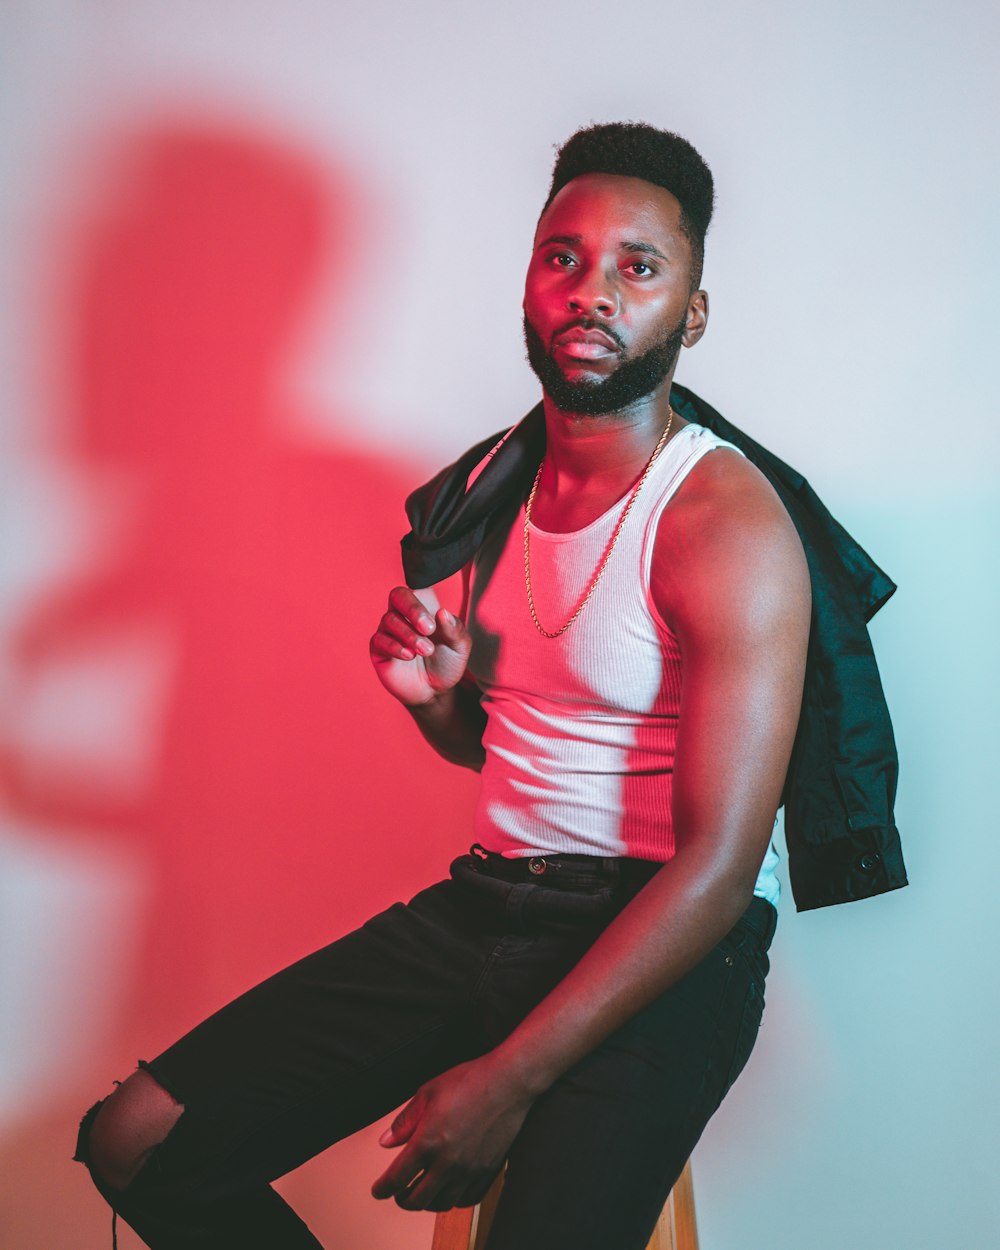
(456, 1132)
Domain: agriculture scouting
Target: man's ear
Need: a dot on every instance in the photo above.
(697, 318)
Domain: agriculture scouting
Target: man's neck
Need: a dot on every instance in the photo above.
(592, 461)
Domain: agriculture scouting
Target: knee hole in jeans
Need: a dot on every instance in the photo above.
(119, 1134)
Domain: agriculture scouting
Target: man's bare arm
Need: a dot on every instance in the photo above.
(731, 581)
(420, 653)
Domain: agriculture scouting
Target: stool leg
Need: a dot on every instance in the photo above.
(455, 1229)
(466, 1228)
(487, 1209)
(676, 1229)
(685, 1224)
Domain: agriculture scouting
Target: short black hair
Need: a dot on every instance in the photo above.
(637, 150)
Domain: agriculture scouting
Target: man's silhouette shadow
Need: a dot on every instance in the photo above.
(214, 704)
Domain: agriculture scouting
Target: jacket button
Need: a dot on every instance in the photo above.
(868, 863)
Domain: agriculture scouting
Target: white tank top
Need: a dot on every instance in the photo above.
(581, 729)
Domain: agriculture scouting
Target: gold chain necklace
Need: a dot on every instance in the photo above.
(599, 571)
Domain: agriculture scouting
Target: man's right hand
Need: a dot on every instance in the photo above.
(420, 650)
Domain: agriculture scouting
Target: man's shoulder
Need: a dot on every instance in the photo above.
(724, 492)
(725, 538)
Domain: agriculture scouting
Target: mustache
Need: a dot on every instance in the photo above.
(588, 323)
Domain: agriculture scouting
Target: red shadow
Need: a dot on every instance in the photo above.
(239, 736)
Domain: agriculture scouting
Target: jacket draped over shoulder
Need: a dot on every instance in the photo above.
(841, 784)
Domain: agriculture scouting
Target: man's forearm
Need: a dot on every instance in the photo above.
(453, 723)
(662, 933)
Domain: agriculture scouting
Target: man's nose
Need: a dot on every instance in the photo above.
(594, 295)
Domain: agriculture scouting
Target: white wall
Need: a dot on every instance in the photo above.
(853, 271)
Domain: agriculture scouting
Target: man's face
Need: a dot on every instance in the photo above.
(607, 299)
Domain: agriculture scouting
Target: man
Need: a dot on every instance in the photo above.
(612, 292)
(579, 995)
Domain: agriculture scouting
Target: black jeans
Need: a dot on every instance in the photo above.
(347, 1034)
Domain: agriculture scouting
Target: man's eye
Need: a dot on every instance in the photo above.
(640, 268)
(562, 259)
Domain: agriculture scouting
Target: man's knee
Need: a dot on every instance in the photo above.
(118, 1135)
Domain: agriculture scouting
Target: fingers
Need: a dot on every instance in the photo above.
(436, 1187)
(475, 1190)
(461, 1193)
(405, 630)
(419, 1179)
(397, 639)
(404, 1171)
(425, 1179)
(429, 1193)
(445, 1162)
(409, 1163)
(401, 1129)
(441, 1189)
(451, 631)
(404, 602)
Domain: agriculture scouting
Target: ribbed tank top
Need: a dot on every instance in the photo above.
(581, 729)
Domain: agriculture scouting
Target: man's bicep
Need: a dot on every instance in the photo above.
(735, 587)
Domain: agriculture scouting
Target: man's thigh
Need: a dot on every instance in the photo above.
(600, 1152)
(324, 1047)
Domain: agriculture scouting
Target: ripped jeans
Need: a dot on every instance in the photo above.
(347, 1034)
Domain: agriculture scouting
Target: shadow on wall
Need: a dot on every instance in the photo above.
(197, 697)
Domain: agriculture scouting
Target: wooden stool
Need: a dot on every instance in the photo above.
(466, 1228)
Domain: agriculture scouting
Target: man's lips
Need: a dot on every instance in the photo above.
(585, 344)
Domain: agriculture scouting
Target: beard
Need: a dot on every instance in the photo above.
(633, 379)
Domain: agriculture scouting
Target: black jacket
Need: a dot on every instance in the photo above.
(841, 784)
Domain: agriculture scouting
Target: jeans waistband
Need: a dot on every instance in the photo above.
(582, 875)
(563, 872)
